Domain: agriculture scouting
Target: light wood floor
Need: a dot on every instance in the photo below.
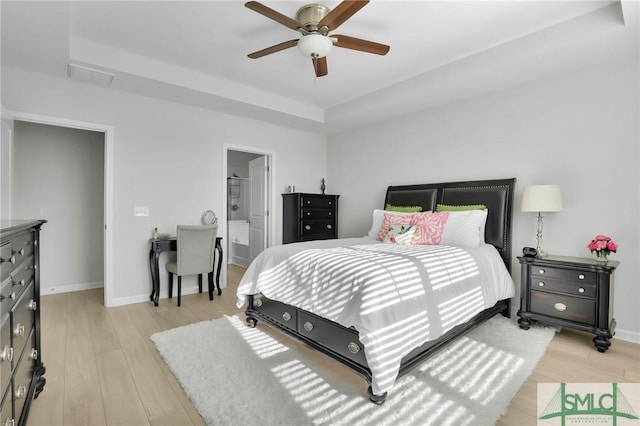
(102, 369)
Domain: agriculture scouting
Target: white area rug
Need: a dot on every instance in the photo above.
(236, 375)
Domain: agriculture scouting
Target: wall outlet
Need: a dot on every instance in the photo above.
(141, 211)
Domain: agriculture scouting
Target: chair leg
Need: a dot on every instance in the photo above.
(210, 276)
(200, 283)
(179, 288)
(170, 285)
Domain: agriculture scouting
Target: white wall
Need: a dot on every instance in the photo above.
(167, 157)
(579, 131)
(58, 176)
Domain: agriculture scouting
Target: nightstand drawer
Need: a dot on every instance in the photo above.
(563, 274)
(565, 307)
(567, 287)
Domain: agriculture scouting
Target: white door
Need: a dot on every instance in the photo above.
(258, 214)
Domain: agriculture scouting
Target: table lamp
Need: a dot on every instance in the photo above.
(541, 198)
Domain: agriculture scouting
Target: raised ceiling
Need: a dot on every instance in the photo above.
(196, 52)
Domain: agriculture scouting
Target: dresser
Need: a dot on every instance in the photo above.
(309, 217)
(21, 368)
(570, 292)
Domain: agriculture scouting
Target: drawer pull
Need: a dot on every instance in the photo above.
(20, 252)
(11, 259)
(541, 271)
(12, 296)
(581, 276)
(581, 290)
(308, 213)
(19, 330)
(33, 305)
(10, 422)
(257, 302)
(561, 307)
(33, 354)
(21, 282)
(308, 326)
(541, 284)
(308, 201)
(329, 227)
(286, 316)
(330, 202)
(307, 227)
(6, 354)
(354, 348)
(21, 392)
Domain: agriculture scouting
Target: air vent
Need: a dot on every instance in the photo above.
(89, 75)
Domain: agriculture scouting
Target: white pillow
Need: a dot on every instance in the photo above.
(378, 218)
(465, 228)
(400, 234)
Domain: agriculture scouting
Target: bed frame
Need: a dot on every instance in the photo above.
(343, 344)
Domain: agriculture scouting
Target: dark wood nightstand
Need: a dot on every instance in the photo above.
(571, 292)
(309, 217)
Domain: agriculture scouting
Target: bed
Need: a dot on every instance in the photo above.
(370, 305)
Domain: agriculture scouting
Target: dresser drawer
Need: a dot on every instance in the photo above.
(22, 319)
(318, 228)
(343, 341)
(310, 214)
(563, 274)
(23, 275)
(560, 286)
(286, 315)
(6, 353)
(8, 295)
(310, 201)
(575, 309)
(24, 374)
(15, 252)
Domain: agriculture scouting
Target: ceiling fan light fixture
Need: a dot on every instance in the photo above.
(315, 45)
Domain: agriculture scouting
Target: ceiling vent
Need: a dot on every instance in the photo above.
(89, 75)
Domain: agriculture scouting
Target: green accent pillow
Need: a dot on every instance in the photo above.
(403, 209)
(461, 208)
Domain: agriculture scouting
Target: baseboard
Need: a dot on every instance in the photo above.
(67, 288)
(164, 294)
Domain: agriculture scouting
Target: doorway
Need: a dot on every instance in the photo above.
(248, 204)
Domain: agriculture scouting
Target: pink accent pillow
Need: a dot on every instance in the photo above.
(430, 227)
(391, 219)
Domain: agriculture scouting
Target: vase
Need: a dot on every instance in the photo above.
(601, 256)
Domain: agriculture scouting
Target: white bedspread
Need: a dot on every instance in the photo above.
(396, 296)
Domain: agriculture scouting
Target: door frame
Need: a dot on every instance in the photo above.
(108, 182)
(270, 196)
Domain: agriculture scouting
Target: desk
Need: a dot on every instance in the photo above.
(158, 245)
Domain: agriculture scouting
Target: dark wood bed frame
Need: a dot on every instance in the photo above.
(341, 343)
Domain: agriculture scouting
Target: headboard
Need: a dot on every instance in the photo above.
(497, 195)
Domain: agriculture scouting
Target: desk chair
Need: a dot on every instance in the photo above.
(195, 254)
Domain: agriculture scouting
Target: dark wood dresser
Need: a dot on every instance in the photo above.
(21, 368)
(571, 292)
(309, 217)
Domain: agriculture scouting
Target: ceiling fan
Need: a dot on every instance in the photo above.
(314, 22)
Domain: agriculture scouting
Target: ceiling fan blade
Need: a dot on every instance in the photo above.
(353, 43)
(341, 13)
(320, 66)
(273, 49)
(272, 14)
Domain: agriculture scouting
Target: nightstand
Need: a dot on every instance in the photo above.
(570, 292)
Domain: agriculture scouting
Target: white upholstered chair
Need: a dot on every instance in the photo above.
(195, 254)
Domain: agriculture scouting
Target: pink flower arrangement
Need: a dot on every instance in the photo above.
(602, 244)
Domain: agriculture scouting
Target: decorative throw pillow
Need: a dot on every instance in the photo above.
(403, 209)
(376, 224)
(400, 234)
(393, 219)
(465, 228)
(430, 227)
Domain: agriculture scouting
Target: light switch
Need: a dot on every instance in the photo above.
(141, 211)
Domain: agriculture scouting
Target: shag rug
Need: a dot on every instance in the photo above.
(236, 375)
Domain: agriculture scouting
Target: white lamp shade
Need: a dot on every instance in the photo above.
(315, 45)
(542, 198)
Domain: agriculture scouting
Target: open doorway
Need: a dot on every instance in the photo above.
(248, 204)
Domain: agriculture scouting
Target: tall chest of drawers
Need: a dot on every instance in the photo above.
(308, 217)
(21, 367)
(571, 292)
